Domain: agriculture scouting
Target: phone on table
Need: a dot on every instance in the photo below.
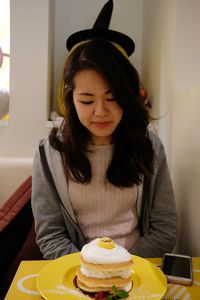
(177, 268)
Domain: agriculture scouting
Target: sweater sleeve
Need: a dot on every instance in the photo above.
(50, 226)
(161, 235)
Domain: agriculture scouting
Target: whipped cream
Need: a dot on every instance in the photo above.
(128, 287)
(105, 274)
(93, 253)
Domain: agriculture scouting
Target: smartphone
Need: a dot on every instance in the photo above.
(177, 268)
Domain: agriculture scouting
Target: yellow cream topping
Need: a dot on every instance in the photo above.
(106, 242)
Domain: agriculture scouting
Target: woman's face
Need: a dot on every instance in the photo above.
(96, 108)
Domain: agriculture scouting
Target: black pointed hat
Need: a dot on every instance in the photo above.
(101, 30)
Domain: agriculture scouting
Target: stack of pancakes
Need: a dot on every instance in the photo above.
(103, 264)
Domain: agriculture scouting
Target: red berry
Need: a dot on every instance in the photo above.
(100, 296)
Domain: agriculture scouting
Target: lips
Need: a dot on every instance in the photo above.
(102, 124)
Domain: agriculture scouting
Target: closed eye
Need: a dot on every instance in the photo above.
(110, 99)
(86, 102)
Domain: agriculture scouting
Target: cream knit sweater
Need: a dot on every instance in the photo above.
(102, 209)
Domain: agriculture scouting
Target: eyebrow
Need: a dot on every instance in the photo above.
(90, 94)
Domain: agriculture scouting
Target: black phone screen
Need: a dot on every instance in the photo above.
(176, 266)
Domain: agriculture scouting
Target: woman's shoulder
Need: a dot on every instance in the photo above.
(155, 140)
(47, 147)
(44, 142)
(54, 136)
(46, 152)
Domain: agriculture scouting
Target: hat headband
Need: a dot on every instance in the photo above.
(115, 44)
(101, 30)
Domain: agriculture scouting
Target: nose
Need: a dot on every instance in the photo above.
(100, 109)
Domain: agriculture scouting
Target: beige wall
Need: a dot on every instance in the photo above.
(185, 146)
(186, 166)
(171, 70)
(159, 21)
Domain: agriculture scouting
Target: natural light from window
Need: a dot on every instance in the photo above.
(4, 58)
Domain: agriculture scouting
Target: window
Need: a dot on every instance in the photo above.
(4, 58)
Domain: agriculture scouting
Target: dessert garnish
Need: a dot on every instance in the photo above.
(112, 295)
(106, 242)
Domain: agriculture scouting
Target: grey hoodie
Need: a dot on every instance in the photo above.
(57, 231)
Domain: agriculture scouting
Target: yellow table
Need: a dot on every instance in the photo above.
(23, 286)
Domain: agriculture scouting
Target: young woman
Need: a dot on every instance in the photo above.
(102, 173)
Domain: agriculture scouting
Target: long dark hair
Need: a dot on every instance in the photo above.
(133, 152)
